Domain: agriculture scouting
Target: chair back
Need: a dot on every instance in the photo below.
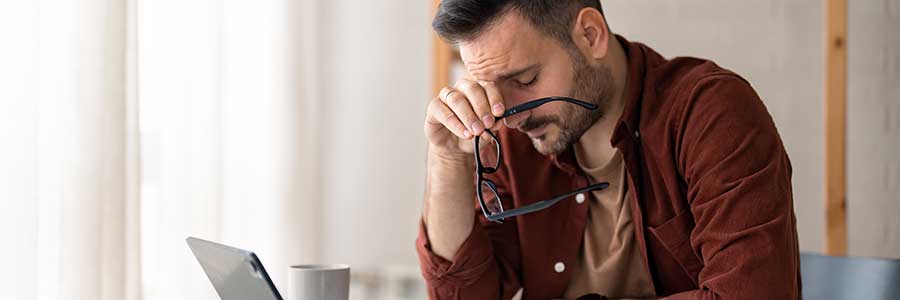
(832, 277)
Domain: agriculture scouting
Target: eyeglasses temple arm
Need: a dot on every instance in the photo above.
(545, 203)
(535, 103)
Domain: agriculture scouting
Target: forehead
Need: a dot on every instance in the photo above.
(509, 44)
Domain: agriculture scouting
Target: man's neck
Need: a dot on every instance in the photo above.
(597, 138)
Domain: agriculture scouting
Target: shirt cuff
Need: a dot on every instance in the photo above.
(471, 261)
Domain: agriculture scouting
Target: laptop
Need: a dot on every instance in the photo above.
(236, 274)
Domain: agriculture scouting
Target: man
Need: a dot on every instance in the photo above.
(689, 183)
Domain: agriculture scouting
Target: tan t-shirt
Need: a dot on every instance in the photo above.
(610, 262)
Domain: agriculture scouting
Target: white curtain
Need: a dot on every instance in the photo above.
(288, 127)
(129, 125)
(66, 146)
(228, 124)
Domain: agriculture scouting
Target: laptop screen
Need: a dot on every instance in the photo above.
(236, 274)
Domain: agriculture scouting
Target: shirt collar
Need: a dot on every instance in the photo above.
(628, 125)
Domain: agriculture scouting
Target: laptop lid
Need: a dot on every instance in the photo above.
(236, 274)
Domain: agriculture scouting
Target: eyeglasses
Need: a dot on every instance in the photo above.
(488, 158)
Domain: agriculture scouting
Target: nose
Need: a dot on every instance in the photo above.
(516, 120)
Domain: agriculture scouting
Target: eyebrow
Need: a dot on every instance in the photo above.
(516, 73)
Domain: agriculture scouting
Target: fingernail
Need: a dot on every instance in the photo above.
(467, 133)
(498, 108)
(488, 121)
(477, 128)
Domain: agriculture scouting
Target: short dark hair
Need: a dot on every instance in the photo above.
(462, 20)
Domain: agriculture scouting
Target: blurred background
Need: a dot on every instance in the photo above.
(293, 128)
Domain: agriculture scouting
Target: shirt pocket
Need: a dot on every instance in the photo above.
(675, 237)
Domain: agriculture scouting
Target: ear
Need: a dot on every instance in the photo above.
(591, 34)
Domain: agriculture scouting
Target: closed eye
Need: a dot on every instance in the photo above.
(530, 82)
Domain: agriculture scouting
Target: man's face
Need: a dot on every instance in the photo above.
(526, 64)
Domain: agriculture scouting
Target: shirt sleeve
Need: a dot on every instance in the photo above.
(739, 187)
(486, 266)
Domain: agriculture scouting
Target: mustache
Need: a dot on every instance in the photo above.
(533, 123)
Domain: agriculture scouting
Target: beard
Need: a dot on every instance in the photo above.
(591, 84)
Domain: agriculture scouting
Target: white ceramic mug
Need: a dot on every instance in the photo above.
(318, 282)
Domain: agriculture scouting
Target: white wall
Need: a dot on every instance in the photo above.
(874, 128)
(778, 47)
(375, 84)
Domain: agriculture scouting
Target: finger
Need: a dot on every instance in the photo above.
(495, 98)
(463, 110)
(440, 114)
(444, 92)
(478, 100)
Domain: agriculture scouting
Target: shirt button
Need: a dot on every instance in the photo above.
(579, 198)
(559, 267)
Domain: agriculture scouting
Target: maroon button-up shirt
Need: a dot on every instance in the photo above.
(711, 197)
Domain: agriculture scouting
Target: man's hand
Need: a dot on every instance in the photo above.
(454, 117)
(458, 114)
